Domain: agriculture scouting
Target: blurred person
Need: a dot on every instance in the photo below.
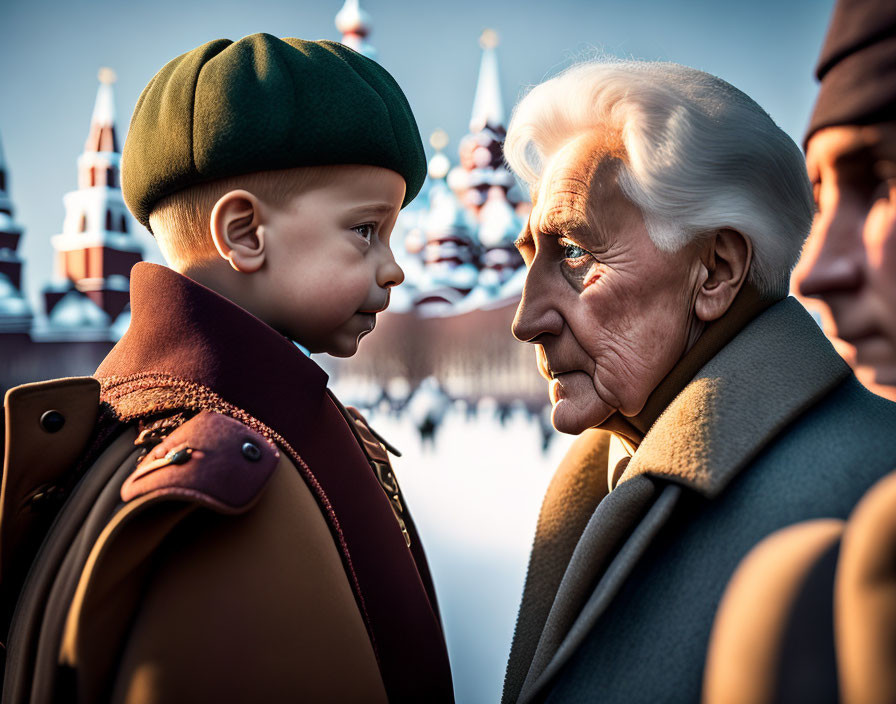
(668, 212)
(810, 614)
(849, 262)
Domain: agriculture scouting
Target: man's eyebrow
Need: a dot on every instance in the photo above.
(525, 238)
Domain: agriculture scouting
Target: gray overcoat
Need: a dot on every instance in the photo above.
(623, 585)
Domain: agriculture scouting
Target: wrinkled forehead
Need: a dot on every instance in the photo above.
(579, 181)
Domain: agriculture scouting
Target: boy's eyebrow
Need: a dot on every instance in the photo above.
(372, 209)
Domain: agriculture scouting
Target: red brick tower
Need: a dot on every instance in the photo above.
(96, 251)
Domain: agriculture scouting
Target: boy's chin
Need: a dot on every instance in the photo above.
(344, 348)
(340, 345)
(342, 352)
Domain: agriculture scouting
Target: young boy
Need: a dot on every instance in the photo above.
(254, 546)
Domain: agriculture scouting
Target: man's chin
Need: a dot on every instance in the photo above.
(568, 418)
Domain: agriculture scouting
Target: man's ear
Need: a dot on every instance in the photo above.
(726, 255)
(237, 232)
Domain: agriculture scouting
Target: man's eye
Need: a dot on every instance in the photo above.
(366, 231)
(573, 251)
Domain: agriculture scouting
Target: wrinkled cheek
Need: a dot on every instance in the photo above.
(576, 404)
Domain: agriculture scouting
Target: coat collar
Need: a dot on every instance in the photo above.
(263, 372)
(744, 396)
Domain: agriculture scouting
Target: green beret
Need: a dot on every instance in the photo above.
(262, 103)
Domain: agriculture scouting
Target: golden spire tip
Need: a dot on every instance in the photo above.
(488, 39)
(107, 75)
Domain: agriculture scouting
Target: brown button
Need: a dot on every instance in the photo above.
(52, 421)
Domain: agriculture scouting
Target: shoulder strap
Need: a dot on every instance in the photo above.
(209, 460)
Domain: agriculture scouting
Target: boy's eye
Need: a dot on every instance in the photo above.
(366, 232)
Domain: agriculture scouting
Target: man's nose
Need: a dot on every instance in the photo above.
(833, 259)
(536, 315)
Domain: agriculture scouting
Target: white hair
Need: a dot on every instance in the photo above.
(700, 155)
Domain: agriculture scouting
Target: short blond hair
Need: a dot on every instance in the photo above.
(181, 221)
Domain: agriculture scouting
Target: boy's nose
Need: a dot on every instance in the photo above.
(389, 274)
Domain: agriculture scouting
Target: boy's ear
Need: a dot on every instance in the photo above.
(726, 255)
(236, 230)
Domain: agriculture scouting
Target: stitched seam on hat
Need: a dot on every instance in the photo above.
(193, 116)
(385, 106)
(292, 81)
(187, 393)
(193, 111)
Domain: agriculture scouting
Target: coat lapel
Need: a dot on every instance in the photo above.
(615, 537)
(778, 366)
(576, 489)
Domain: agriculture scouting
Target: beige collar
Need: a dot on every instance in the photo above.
(765, 377)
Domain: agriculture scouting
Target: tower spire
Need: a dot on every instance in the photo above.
(95, 251)
(354, 23)
(15, 314)
(481, 154)
(102, 137)
(488, 106)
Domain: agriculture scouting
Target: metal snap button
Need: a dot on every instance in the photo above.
(52, 421)
(251, 451)
(181, 456)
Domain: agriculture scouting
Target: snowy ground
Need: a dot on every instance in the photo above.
(475, 500)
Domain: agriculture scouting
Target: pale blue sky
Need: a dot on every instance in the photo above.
(50, 52)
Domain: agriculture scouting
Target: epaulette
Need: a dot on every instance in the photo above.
(211, 459)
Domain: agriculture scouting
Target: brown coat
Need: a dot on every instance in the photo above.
(283, 574)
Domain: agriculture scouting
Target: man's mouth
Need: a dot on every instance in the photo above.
(549, 371)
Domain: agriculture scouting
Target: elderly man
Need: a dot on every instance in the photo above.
(810, 615)
(668, 213)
